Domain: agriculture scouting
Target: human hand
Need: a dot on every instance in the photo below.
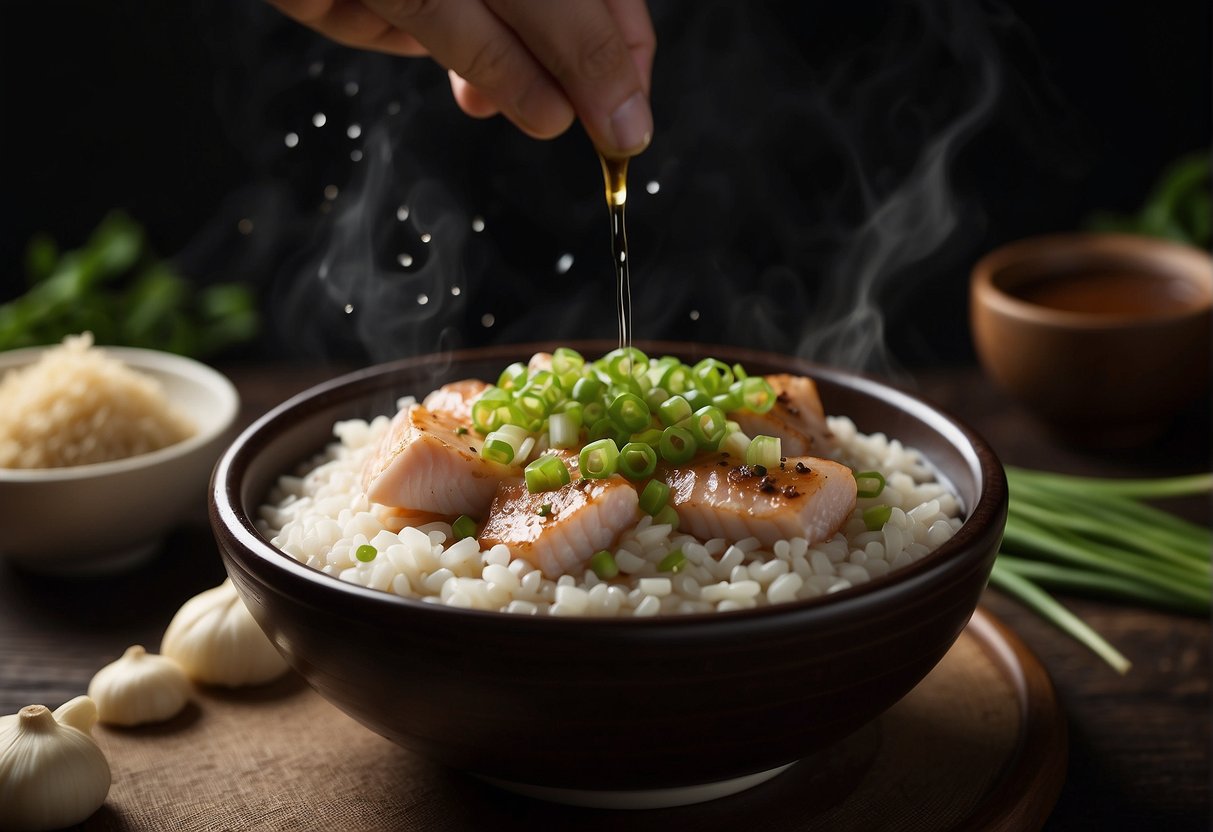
(540, 64)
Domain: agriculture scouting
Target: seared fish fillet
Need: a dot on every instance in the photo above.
(425, 464)
(455, 398)
(582, 518)
(797, 418)
(805, 497)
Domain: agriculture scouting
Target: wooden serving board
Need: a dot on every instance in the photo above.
(979, 744)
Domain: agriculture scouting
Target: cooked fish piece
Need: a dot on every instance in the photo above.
(456, 398)
(579, 519)
(426, 462)
(539, 361)
(804, 497)
(797, 418)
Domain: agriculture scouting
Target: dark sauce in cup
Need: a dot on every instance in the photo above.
(1110, 292)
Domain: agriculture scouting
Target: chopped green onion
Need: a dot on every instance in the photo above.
(757, 395)
(603, 564)
(546, 385)
(566, 360)
(461, 431)
(677, 378)
(591, 412)
(544, 510)
(547, 473)
(697, 399)
(651, 436)
(599, 459)
(713, 376)
(513, 377)
(490, 409)
(629, 412)
(675, 561)
(623, 363)
(874, 517)
(533, 405)
(463, 526)
(673, 410)
(604, 428)
(654, 496)
(764, 450)
(655, 396)
(496, 449)
(874, 484)
(667, 516)
(708, 427)
(637, 460)
(503, 444)
(366, 553)
(728, 401)
(735, 443)
(739, 372)
(587, 389)
(677, 445)
(564, 430)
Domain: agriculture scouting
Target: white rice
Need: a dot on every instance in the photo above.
(322, 516)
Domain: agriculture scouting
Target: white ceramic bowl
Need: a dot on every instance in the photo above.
(110, 516)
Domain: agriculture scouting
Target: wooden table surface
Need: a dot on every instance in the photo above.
(1139, 744)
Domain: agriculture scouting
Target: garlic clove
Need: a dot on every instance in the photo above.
(217, 641)
(52, 773)
(138, 688)
(79, 713)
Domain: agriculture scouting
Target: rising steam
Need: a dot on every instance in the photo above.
(795, 182)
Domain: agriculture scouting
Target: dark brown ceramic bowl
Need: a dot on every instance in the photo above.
(1103, 369)
(590, 710)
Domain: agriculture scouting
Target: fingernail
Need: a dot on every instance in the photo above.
(632, 125)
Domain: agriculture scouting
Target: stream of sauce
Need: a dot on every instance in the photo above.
(615, 174)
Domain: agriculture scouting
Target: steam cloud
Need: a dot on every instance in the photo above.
(794, 181)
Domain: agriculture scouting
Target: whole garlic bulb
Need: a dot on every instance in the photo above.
(139, 687)
(216, 640)
(52, 773)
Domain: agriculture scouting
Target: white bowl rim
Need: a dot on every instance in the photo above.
(189, 369)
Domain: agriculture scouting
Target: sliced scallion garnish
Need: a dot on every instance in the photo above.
(463, 527)
(547, 473)
(603, 565)
(869, 484)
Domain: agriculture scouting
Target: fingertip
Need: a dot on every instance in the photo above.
(470, 99)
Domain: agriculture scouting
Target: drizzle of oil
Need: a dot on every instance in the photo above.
(615, 174)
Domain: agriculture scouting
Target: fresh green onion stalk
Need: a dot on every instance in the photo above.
(1099, 537)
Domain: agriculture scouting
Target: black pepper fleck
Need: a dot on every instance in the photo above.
(801, 468)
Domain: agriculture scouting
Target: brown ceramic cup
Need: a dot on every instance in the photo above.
(587, 709)
(1103, 336)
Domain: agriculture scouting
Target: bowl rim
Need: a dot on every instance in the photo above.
(985, 518)
(1195, 266)
(203, 375)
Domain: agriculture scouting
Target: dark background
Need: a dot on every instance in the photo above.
(827, 175)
